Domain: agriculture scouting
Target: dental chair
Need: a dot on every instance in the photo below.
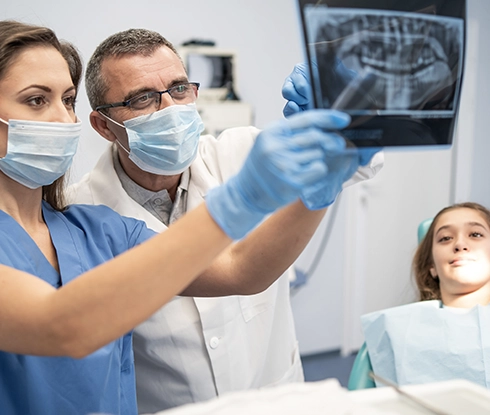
(359, 376)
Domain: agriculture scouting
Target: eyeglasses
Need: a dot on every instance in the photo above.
(185, 93)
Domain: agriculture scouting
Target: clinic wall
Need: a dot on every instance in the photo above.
(479, 10)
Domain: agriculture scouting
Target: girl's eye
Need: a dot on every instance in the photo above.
(444, 239)
(476, 235)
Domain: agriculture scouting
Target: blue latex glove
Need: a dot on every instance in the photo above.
(288, 158)
(297, 86)
(366, 154)
(341, 166)
(297, 90)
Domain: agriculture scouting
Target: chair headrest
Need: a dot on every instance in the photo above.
(423, 228)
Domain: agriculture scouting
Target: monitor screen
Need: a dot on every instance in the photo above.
(395, 66)
(211, 70)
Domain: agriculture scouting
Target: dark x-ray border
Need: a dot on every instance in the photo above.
(387, 126)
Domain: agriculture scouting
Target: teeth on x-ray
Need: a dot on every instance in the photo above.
(391, 61)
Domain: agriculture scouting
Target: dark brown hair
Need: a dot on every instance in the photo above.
(15, 37)
(428, 286)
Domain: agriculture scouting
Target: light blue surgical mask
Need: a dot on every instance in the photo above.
(38, 152)
(164, 142)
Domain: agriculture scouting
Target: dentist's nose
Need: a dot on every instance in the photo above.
(165, 101)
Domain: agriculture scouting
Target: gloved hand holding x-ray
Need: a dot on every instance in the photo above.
(395, 68)
(297, 91)
(297, 157)
(297, 86)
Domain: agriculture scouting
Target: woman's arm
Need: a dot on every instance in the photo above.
(108, 301)
(253, 264)
(111, 299)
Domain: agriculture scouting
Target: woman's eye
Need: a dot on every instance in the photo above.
(69, 101)
(36, 101)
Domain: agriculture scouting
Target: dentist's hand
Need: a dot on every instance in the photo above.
(341, 166)
(297, 91)
(297, 86)
(292, 157)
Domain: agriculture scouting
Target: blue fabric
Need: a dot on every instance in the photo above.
(424, 342)
(84, 237)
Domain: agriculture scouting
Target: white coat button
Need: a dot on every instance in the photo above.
(214, 342)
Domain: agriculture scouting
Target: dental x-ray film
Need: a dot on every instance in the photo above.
(395, 66)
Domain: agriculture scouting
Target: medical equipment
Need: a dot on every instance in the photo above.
(40, 162)
(412, 398)
(395, 68)
(166, 141)
(215, 69)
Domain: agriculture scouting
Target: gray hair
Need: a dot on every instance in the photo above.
(129, 42)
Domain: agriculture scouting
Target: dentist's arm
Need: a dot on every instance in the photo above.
(252, 264)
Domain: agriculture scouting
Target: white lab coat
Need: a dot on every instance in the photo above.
(194, 349)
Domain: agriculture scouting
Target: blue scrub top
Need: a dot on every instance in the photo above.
(84, 237)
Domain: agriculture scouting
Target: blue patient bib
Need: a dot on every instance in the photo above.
(426, 342)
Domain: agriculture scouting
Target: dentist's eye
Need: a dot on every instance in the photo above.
(144, 101)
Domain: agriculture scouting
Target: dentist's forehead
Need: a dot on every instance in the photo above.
(136, 72)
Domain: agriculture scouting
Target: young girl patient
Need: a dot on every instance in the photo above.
(446, 335)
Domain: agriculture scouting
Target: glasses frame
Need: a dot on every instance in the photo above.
(127, 103)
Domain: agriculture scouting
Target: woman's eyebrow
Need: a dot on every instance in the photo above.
(43, 87)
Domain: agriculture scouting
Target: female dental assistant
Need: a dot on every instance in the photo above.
(75, 280)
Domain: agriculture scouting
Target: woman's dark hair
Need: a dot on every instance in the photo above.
(15, 37)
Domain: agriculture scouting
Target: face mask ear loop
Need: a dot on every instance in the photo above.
(8, 125)
(120, 125)
(120, 145)
(110, 119)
